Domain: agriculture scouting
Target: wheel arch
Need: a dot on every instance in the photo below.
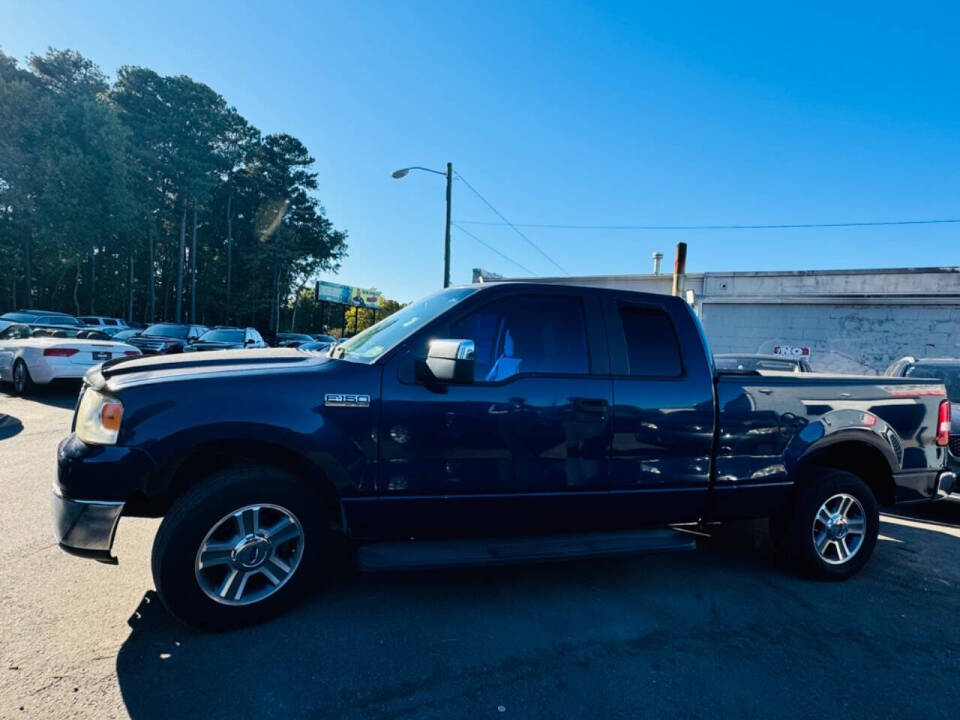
(189, 467)
(859, 452)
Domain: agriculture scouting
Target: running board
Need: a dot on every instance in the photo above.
(421, 554)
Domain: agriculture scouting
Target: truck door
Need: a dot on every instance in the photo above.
(525, 446)
(663, 416)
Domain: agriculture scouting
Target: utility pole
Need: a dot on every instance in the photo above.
(679, 268)
(446, 237)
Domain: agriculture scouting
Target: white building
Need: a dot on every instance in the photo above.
(845, 320)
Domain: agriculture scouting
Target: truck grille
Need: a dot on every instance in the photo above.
(955, 445)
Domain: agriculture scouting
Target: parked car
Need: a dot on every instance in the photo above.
(292, 339)
(31, 356)
(125, 334)
(748, 362)
(227, 338)
(102, 321)
(320, 337)
(166, 338)
(946, 370)
(503, 422)
(315, 346)
(38, 317)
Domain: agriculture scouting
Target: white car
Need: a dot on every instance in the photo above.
(38, 317)
(38, 355)
(109, 325)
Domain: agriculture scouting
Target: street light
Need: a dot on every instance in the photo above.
(402, 172)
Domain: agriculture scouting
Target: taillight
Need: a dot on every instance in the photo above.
(130, 353)
(60, 352)
(943, 424)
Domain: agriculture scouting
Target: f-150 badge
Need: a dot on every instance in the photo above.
(346, 400)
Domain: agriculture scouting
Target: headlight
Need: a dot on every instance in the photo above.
(98, 418)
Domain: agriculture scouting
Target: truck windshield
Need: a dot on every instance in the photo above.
(370, 344)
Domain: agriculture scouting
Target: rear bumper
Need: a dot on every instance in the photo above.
(51, 369)
(946, 483)
(924, 485)
(85, 527)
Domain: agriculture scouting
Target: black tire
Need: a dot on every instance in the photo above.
(796, 531)
(175, 551)
(22, 384)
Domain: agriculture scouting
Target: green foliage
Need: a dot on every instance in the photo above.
(98, 185)
(358, 319)
(318, 316)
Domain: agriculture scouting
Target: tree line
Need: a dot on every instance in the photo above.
(149, 197)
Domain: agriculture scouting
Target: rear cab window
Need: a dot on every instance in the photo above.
(652, 347)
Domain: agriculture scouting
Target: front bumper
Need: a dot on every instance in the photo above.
(85, 527)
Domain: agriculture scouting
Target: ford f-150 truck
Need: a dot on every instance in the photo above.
(506, 422)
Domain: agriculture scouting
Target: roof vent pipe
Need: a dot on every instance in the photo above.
(657, 257)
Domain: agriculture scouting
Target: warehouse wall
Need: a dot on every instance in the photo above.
(842, 337)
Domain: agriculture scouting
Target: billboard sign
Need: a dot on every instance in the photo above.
(347, 295)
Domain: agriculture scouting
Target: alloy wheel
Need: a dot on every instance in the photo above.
(249, 554)
(19, 377)
(839, 529)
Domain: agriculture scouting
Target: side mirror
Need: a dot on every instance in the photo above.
(449, 361)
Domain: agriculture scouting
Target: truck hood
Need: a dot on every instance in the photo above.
(119, 374)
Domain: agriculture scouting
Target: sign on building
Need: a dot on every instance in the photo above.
(792, 351)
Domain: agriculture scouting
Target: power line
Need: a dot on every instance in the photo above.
(510, 224)
(551, 226)
(491, 247)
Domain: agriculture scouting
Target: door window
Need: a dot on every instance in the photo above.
(652, 347)
(526, 334)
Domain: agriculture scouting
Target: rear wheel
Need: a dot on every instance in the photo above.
(831, 529)
(22, 382)
(240, 548)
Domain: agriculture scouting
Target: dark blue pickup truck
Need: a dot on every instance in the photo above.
(486, 424)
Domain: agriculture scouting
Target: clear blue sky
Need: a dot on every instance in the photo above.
(720, 113)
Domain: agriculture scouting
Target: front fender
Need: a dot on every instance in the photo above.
(326, 453)
(277, 418)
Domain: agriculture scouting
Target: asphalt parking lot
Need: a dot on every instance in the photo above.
(719, 631)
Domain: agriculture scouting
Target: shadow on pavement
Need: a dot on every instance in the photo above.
(942, 512)
(720, 631)
(9, 426)
(61, 394)
(383, 645)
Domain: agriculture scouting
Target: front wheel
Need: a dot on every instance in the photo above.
(239, 548)
(832, 528)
